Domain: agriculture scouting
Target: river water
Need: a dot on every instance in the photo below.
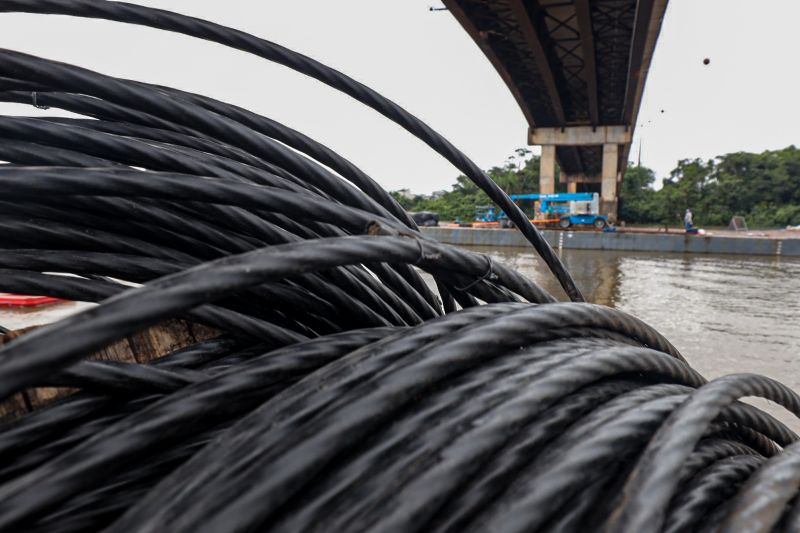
(726, 314)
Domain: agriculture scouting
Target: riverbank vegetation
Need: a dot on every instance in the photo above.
(764, 188)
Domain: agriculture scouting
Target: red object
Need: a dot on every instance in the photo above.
(19, 300)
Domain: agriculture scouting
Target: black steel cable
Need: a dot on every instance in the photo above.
(130, 13)
(714, 485)
(762, 501)
(657, 473)
(346, 390)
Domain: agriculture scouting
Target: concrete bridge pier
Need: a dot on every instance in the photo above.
(607, 138)
(547, 170)
(609, 185)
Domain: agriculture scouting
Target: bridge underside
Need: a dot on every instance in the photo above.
(571, 64)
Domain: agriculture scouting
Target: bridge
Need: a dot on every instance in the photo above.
(577, 69)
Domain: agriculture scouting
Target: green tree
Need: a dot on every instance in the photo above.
(764, 188)
(637, 198)
(404, 198)
(519, 174)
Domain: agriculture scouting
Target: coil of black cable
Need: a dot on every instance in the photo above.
(361, 377)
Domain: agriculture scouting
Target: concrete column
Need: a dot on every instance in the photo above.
(608, 190)
(572, 186)
(547, 170)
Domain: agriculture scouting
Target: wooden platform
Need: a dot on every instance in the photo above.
(139, 348)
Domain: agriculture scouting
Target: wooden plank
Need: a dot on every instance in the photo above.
(11, 335)
(155, 342)
(203, 333)
(119, 351)
(42, 396)
(12, 408)
(141, 347)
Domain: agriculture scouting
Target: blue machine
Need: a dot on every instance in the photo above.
(563, 209)
(488, 213)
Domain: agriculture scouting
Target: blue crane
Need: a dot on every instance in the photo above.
(562, 209)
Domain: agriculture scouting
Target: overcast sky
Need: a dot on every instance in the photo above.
(745, 100)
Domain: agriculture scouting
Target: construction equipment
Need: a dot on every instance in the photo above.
(560, 209)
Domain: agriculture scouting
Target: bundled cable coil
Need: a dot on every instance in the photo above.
(339, 390)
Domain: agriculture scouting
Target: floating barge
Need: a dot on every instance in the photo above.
(623, 241)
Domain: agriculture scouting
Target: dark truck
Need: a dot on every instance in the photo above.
(425, 218)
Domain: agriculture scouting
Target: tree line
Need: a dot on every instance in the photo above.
(764, 188)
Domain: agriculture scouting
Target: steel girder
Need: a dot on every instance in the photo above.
(567, 62)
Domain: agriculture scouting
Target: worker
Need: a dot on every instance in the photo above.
(687, 220)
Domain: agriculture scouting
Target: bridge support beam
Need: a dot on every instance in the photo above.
(609, 180)
(547, 170)
(580, 135)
